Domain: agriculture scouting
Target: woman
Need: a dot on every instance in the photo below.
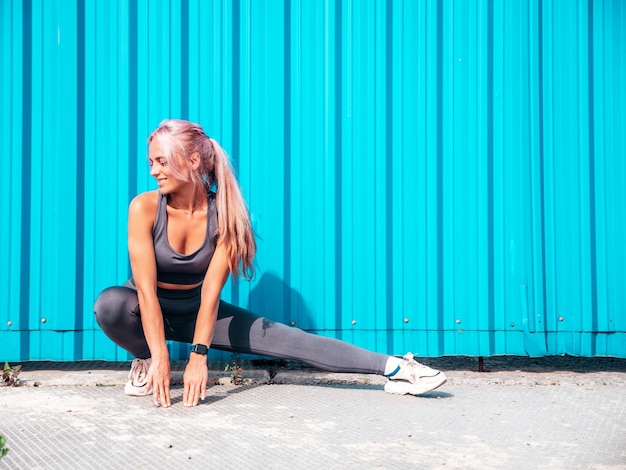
(184, 240)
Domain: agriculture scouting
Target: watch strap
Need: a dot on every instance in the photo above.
(200, 349)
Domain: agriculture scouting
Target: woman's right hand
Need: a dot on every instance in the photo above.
(159, 379)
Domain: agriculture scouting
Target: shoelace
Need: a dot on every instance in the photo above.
(138, 372)
(413, 365)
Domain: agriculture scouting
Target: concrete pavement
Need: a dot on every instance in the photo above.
(519, 413)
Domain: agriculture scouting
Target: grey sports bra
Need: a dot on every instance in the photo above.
(174, 267)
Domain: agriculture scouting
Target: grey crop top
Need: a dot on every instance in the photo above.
(174, 267)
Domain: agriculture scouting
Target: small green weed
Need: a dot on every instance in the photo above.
(10, 375)
(236, 371)
(3, 450)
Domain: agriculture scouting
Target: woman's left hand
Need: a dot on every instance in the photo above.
(195, 379)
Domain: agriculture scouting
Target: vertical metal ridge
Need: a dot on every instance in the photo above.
(440, 205)
(25, 228)
(542, 197)
(338, 164)
(287, 208)
(133, 117)
(79, 267)
(592, 178)
(389, 202)
(236, 103)
(491, 321)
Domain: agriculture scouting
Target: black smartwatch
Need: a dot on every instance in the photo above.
(200, 349)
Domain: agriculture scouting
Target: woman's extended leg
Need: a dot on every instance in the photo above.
(242, 331)
(239, 330)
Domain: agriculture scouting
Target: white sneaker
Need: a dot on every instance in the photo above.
(137, 378)
(413, 378)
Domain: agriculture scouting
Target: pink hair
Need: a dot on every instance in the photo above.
(178, 137)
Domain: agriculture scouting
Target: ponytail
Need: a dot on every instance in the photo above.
(235, 230)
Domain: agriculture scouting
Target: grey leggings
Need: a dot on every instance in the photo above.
(236, 330)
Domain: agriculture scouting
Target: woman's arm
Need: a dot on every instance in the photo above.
(141, 216)
(196, 374)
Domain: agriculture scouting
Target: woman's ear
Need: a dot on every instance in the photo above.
(194, 160)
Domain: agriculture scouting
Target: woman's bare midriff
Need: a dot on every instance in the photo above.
(168, 286)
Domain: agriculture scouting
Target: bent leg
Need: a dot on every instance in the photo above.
(117, 313)
(239, 330)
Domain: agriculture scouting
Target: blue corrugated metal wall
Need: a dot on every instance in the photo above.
(442, 177)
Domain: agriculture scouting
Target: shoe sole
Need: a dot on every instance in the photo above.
(425, 385)
(133, 391)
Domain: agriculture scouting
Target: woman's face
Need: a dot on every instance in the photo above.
(160, 170)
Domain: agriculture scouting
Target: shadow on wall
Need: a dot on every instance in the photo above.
(275, 300)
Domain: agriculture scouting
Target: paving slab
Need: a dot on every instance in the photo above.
(521, 415)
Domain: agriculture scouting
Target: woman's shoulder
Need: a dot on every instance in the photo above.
(145, 203)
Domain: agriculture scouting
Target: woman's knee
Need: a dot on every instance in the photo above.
(114, 303)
